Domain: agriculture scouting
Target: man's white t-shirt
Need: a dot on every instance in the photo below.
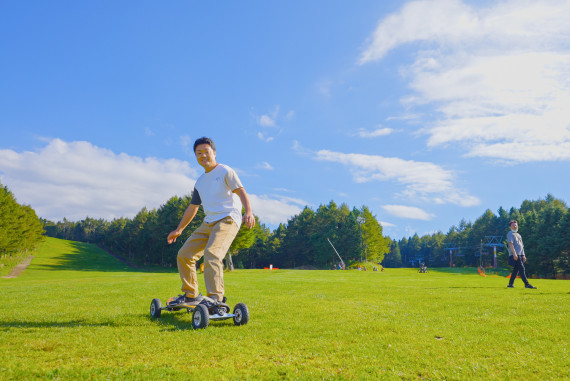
(214, 191)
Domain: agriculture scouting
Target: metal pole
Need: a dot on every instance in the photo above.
(336, 251)
(360, 221)
(481, 255)
(360, 243)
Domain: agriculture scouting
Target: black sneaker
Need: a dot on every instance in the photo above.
(183, 300)
(530, 286)
(510, 286)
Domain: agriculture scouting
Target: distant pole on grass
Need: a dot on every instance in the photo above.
(360, 221)
(481, 254)
(339, 257)
(451, 246)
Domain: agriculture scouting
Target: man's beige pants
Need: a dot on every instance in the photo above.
(211, 240)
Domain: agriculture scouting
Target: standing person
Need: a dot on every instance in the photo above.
(222, 196)
(517, 257)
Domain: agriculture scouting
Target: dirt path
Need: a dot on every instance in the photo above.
(16, 271)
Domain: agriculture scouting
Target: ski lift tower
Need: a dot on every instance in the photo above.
(451, 246)
(494, 241)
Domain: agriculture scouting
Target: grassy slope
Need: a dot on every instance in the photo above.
(78, 313)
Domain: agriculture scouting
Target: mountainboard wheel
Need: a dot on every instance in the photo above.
(200, 317)
(155, 308)
(241, 314)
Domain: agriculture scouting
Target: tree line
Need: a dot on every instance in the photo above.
(303, 241)
(20, 228)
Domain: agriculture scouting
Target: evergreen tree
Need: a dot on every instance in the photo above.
(393, 258)
(327, 221)
(414, 246)
(562, 262)
(272, 248)
(375, 245)
(541, 233)
(244, 239)
(347, 237)
(404, 251)
(259, 253)
(295, 249)
(20, 228)
(135, 233)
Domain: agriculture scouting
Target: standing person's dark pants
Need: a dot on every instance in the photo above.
(518, 269)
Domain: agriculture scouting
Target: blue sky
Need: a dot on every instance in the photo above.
(427, 112)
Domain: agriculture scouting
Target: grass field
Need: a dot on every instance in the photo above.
(77, 313)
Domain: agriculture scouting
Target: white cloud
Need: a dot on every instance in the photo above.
(296, 146)
(275, 209)
(269, 119)
(421, 180)
(265, 165)
(404, 117)
(417, 21)
(265, 138)
(282, 190)
(410, 212)
(266, 121)
(270, 128)
(498, 76)
(77, 179)
(380, 131)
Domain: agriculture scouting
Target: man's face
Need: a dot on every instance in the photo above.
(206, 156)
(514, 226)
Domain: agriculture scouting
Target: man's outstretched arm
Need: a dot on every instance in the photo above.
(188, 216)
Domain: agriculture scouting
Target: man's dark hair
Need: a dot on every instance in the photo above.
(204, 140)
(512, 222)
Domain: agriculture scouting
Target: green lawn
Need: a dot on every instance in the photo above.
(77, 313)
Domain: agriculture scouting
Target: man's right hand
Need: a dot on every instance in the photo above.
(515, 257)
(172, 236)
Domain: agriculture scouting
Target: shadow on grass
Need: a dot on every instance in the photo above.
(182, 321)
(7, 325)
(89, 257)
(464, 287)
(491, 272)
